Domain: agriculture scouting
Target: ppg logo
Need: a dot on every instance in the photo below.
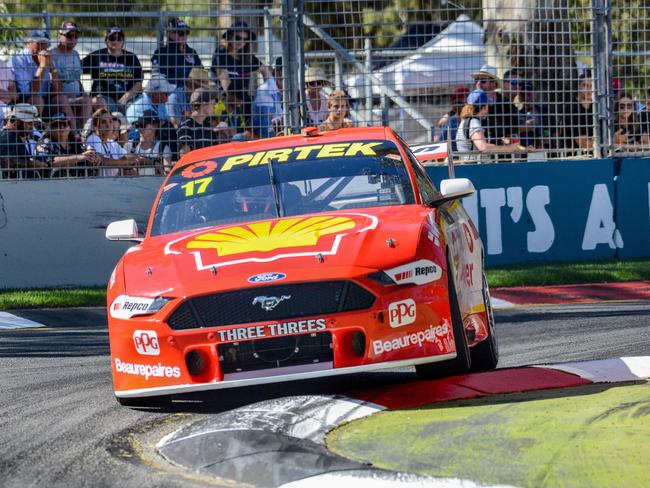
(401, 313)
(146, 342)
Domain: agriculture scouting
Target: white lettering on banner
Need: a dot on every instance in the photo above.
(537, 198)
(492, 199)
(155, 371)
(146, 342)
(415, 339)
(600, 227)
(515, 202)
(542, 238)
(418, 272)
(401, 313)
(272, 330)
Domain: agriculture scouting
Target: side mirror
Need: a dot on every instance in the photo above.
(123, 230)
(453, 189)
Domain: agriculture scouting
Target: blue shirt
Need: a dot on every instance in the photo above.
(24, 69)
(143, 103)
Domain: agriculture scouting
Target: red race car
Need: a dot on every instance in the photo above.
(298, 257)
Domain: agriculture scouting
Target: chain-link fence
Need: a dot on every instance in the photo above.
(126, 88)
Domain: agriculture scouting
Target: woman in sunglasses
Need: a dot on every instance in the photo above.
(234, 64)
(61, 151)
(628, 129)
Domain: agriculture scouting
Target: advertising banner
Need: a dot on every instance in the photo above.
(546, 211)
(633, 207)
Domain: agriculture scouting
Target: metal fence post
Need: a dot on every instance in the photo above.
(601, 52)
(290, 67)
(368, 86)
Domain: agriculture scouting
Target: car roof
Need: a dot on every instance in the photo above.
(232, 148)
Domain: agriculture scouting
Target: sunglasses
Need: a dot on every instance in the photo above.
(71, 35)
(60, 124)
(315, 83)
(241, 38)
(180, 33)
(115, 38)
(485, 80)
(626, 105)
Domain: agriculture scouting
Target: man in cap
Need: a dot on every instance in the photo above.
(67, 61)
(17, 143)
(115, 72)
(36, 76)
(502, 122)
(175, 60)
(155, 97)
(316, 90)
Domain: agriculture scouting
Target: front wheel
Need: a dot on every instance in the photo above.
(485, 355)
(462, 362)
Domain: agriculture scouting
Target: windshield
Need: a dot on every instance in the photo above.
(301, 179)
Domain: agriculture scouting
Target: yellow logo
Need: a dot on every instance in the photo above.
(270, 235)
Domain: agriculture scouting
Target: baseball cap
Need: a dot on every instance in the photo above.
(68, 26)
(460, 94)
(147, 117)
(26, 112)
(38, 35)
(176, 24)
(486, 71)
(114, 30)
(526, 86)
(478, 97)
(237, 26)
(159, 84)
(58, 117)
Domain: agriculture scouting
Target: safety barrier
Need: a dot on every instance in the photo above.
(52, 232)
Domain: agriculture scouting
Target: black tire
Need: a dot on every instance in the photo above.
(485, 355)
(145, 402)
(462, 362)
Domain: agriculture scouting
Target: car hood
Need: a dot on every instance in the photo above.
(325, 246)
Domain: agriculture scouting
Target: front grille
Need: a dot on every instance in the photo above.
(277, 352)
(236, 307)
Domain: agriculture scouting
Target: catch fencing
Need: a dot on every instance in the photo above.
(571, 75)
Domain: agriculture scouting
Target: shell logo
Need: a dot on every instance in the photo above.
(271, 235)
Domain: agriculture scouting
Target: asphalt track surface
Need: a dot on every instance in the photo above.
(60, 424)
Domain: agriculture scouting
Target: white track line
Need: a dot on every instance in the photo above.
(608, 370)
(10, 321)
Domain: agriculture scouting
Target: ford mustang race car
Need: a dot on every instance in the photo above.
(298, 257)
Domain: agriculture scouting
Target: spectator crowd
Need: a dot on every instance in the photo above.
(128, 125)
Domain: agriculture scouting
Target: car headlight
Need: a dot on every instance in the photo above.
(125, 306)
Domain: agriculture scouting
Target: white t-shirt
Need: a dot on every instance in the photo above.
(109, 149)
(464, 142)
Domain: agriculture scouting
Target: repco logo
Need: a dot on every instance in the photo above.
(425, 270)
(401, 313)
(146, 342)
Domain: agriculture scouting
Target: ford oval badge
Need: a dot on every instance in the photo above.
(266, 277)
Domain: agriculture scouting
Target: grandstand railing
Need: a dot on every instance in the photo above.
(402, 65)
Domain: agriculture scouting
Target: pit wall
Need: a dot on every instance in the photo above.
(52, 232)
